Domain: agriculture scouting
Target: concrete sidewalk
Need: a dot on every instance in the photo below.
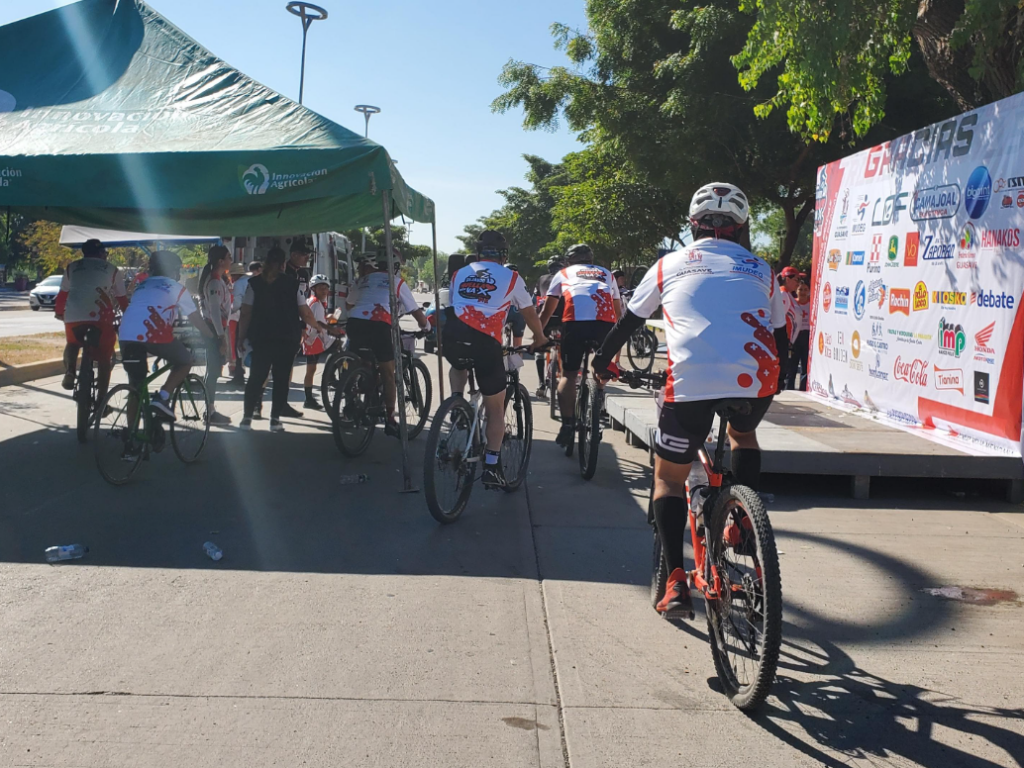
(344, 627)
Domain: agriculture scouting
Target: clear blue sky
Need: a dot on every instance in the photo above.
(431, 67)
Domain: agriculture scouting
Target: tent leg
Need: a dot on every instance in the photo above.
(396, 341)
(437, 315)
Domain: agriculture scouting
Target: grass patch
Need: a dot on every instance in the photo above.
(18, 350)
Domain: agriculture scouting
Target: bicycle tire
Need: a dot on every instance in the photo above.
(112, 436)
(191, 405)
(333, 371)
(84, 396)
(440, 453)
(351, 424)
(730, 506)
(522, 424)
(641, 349)
(579, 411)
(419, 394)
(553, 389)
(590, 433)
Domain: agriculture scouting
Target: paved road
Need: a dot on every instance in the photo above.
(27, 322)
(344, 627)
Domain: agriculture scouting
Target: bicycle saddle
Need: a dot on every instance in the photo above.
(729, 408)
(592, 346)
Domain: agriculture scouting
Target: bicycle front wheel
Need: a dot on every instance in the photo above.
(518, 439)
(745, 622)
(641, 348)
(352, 422)
(336, 367)
(590, 432)
(115, 435)
(450, 460)
(85, 396)
(191, 425)
(418, 394)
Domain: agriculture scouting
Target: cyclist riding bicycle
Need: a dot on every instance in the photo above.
(89, 291)
(369, 326)
(540, 291)
(148, 328)
(724, 316)
(481, 294)
(592, 307)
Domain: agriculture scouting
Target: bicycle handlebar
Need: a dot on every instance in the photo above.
(637, 379)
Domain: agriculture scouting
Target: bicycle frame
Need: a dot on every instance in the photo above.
(703, 577)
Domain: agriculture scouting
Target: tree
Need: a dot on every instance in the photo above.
(41, 239)
(766, 229)
(837, 59)
(656, 86)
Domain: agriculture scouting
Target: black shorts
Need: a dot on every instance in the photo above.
(575, 335)
(466, 347)
(135, 362)
(683, 427)
(366, 336)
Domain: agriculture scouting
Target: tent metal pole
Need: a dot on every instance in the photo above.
(396, 341)
(437, 316)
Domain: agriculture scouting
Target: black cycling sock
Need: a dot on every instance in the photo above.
(540, 368)
(746, 467)
(309, 393)
(670, 514)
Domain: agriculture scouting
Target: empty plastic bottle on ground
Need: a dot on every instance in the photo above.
(213, 551)
(70, 552)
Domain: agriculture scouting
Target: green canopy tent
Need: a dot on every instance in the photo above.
(110, 116)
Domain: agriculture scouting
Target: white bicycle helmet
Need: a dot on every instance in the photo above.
(722, 199)
(318, 280)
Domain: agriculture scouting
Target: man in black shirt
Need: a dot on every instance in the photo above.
(273, 313)
(297, 267)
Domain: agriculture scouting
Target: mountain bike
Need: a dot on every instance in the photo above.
(736, 567)
(127, 430)
(589, 415)
(458, 438)
(359, 404)
(86, 391)
(641, 349)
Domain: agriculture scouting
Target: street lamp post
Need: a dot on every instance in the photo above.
(308, 13)
(367, 111)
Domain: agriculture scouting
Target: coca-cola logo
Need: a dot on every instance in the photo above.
(915, 372)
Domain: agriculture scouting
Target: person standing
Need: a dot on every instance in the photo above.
(316, 341)
(789, 280)
(237, 294)
(273, 312)
(800, 338)
(215, 305)
(554, 325)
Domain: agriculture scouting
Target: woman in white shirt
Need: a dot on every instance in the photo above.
(215, 304)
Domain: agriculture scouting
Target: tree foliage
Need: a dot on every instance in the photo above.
(833, 61)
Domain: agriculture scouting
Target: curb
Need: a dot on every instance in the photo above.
(26, 308)
(19, 374)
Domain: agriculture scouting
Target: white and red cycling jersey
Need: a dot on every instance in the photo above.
(482, 292)
(368, 298)
(721, 305)
(588, 290)
(90, 291)
(798, 318)
(156, 304)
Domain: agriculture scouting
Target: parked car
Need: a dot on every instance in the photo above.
(44, 295)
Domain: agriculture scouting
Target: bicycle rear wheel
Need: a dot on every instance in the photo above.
(641, 348)
(85, 395)
(518, 439)
(418, 394)
(115, 435)
(191, 424)
(352, 422)
(745, 623)
(450, 460)
(590, 432)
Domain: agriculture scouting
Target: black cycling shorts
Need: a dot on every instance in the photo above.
(683, 427)
(575, 335)
(516, 322)
(366, 336)
(134, 357)
(466, 347)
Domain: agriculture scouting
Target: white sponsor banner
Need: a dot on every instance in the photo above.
(918, 280)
